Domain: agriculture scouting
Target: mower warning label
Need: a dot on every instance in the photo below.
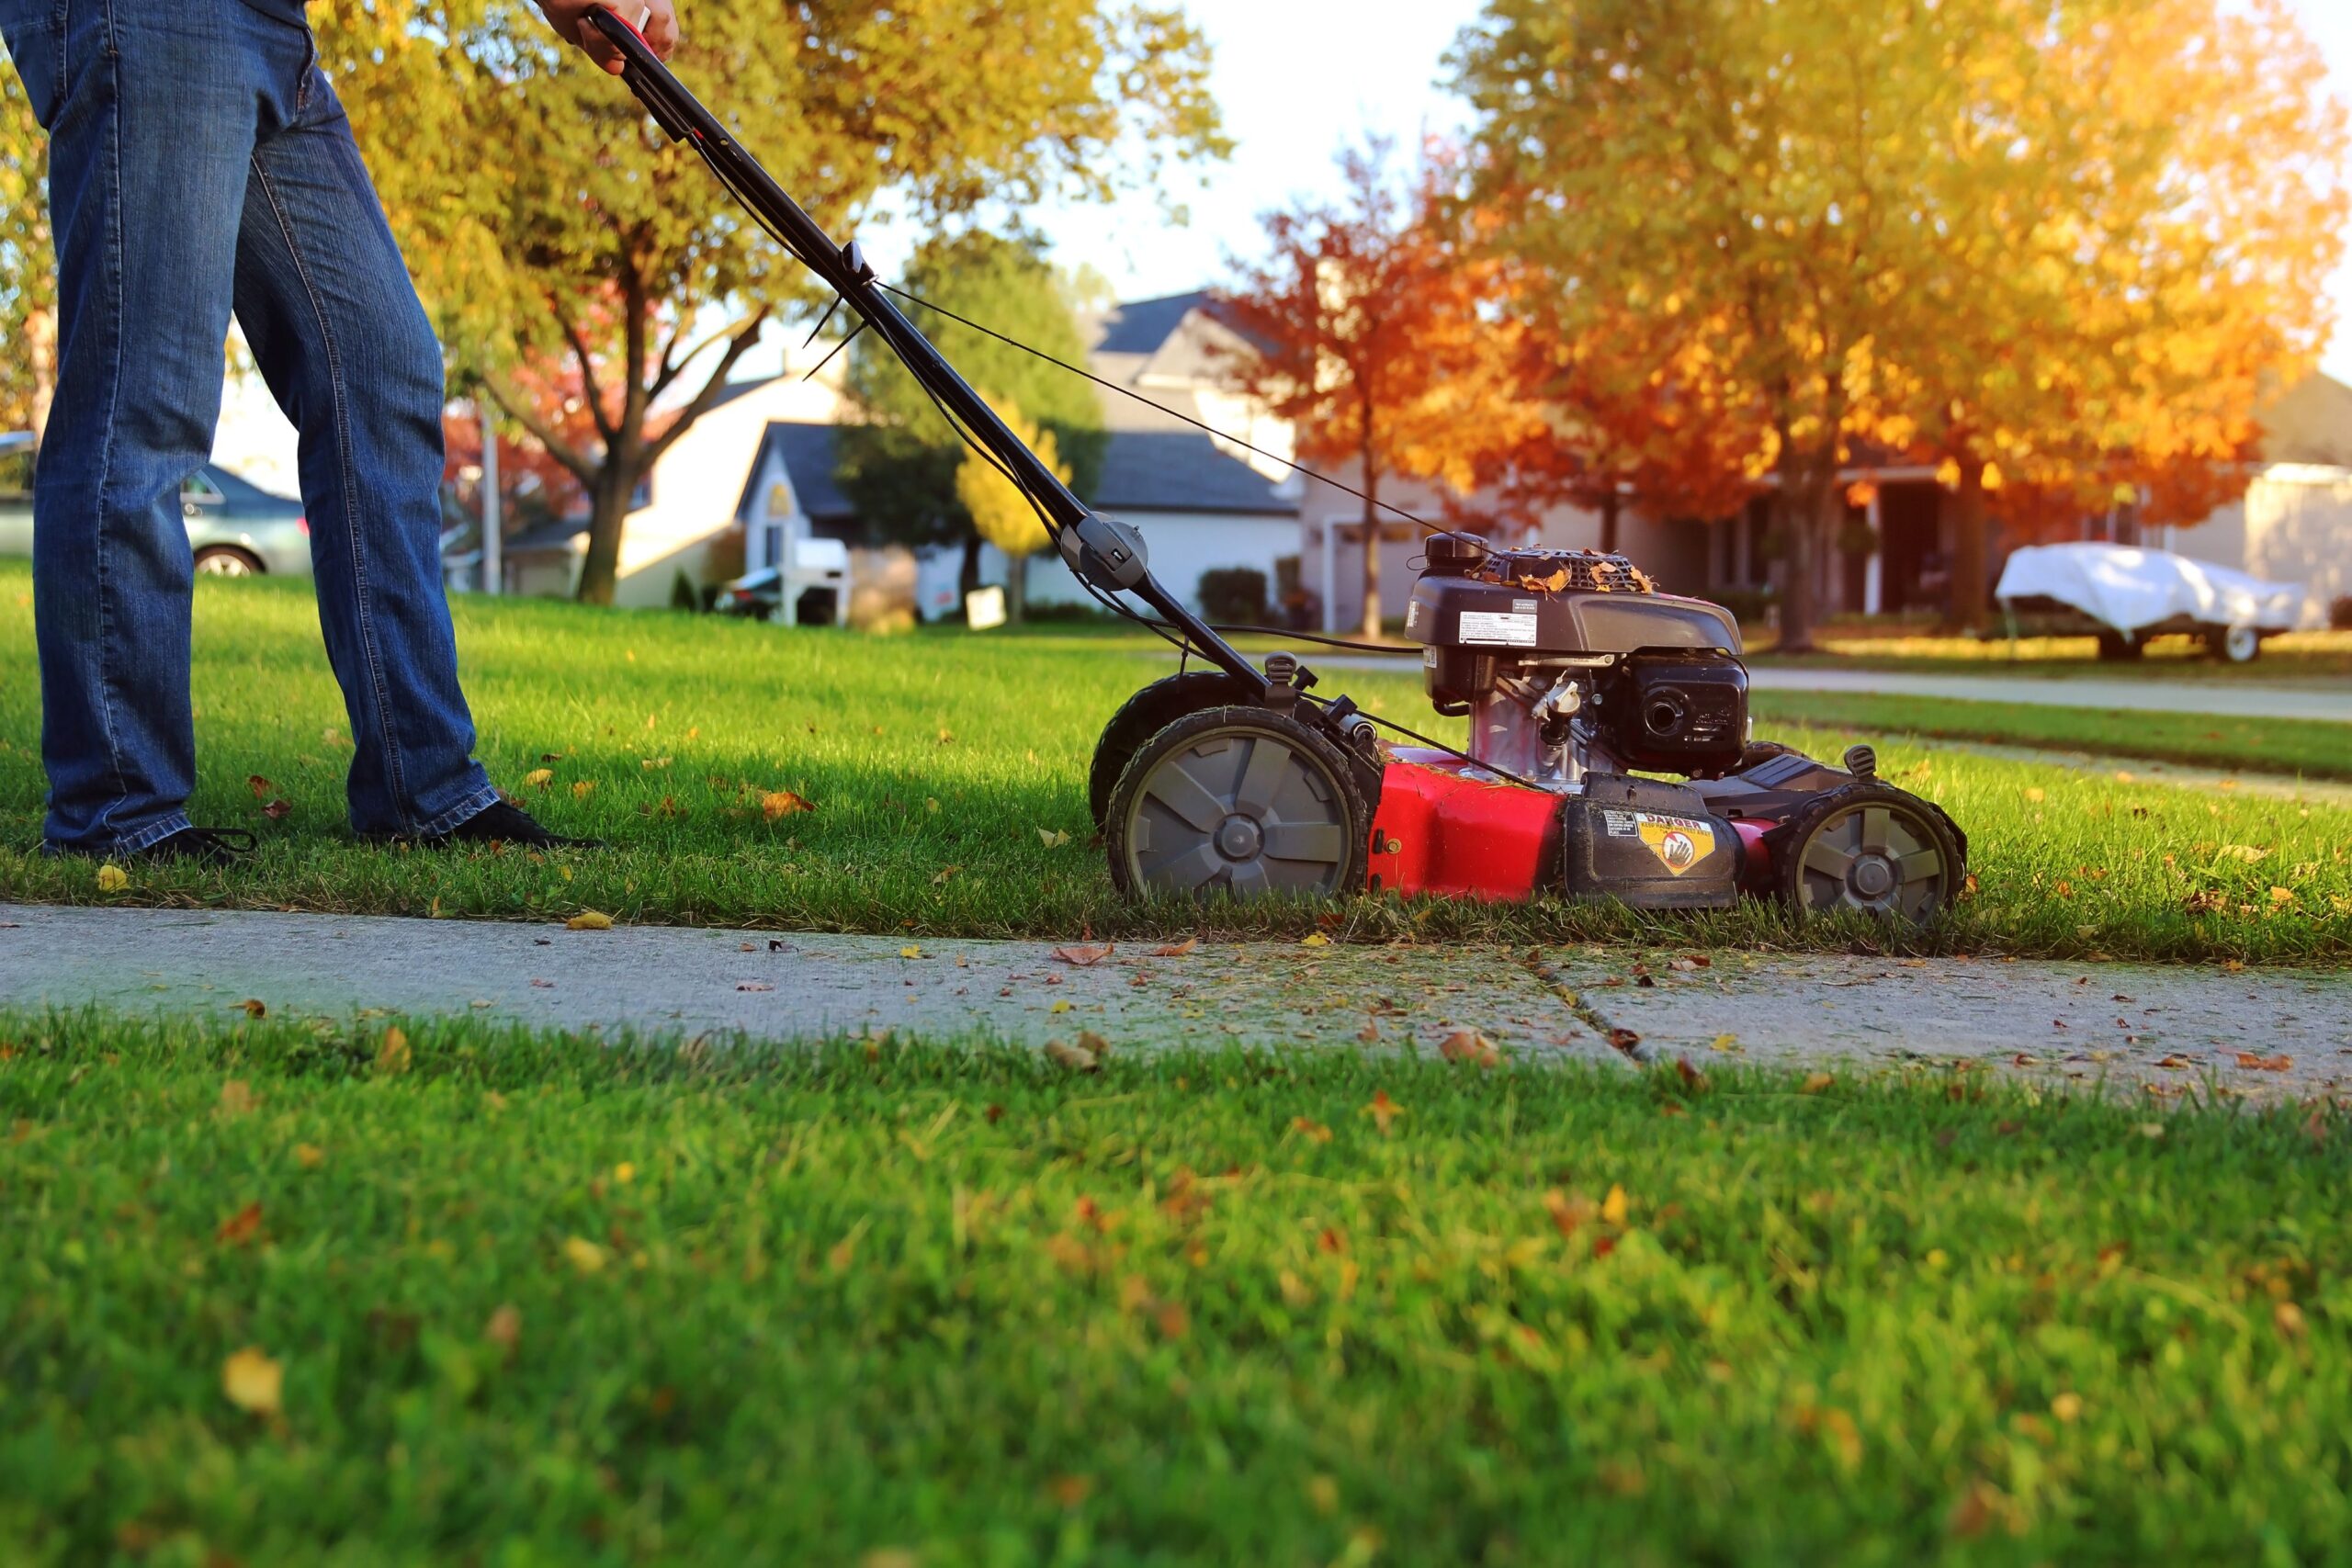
(1485, 625)
(1680, 842)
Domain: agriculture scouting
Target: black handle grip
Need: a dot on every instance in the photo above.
(641, 69)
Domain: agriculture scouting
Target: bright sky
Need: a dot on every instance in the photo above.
(1297, 78)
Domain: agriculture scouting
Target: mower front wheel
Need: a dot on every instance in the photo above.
(1240, 799)
(1871, 849)
(1144, 716)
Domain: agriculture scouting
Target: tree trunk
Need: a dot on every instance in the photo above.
(1805, 488)
(608, 510)
(1965, 602)
(40, 356)
(1371, 626)
(1608, 506)
(1016, 588)
(967, 580)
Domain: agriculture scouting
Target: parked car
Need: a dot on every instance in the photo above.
(2127, 597)
(235, 527)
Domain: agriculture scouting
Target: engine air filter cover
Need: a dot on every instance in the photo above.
(1676, 710)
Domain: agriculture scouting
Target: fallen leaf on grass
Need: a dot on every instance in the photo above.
(1085, 956)
(589, 920)
(1692, 1079)
(1469, 1047)
(1176, 949)
(1052, 837)
(2288, 1319)
(236, 1098)
(309, 1156)
(1314, 939)
(276, 810)
(539, 778)
(775, 803)
(2246, 853)
(1816, 1082)
(393, 1056)
(941, 878)
(240, 1229)
(584, 1254)
(1613, 1207)
(1313, 1131)
(112, 879)
(504, 1328)
(253, 1382)
(1383, 1110)
(2262, 1064)
(1075, 1059)
(255, 1007)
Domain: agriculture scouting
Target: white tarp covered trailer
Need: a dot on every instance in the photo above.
(2133, 595)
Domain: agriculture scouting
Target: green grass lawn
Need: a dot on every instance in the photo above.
(940, 764)
(286, 1293)
(2311, 749)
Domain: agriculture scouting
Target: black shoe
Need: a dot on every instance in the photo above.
(198, 846)
(500, 823)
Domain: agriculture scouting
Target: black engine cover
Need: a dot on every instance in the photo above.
(1675, 711)
(1648, 843)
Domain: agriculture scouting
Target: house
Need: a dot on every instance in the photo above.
(2295, 524)
(1202, 501)
(685, 516)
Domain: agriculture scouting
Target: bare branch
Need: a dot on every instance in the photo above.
(592, 394)
(518, 408)
(738, 346)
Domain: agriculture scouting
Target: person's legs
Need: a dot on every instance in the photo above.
(334, 326)
(150, 113)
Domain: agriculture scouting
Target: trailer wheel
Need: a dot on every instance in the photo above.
(2233, 645)
(1237, 799)
(1144, 716)
(1872, 849)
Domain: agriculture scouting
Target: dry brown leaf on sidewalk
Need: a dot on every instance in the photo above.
(590, 920)
(1177, 949)
(1084, 956)
(2261, 1064)
(1623, 1039)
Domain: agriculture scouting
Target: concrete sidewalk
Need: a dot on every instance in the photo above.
(2146, 1030)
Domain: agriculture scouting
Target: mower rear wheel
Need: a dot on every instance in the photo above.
(1872, 849)
(1144, 716)
(1239, 799)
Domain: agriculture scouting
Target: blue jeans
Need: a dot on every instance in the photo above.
(199, 164)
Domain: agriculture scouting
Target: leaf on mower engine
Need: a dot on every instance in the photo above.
(775, 803)
(1085, 957)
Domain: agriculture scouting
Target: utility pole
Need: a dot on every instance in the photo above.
(493, 565)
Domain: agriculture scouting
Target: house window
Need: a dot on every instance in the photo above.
(771, 545)
(642, 496)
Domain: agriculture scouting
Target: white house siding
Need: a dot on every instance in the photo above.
(2295, 525)
(696, 484)
(1182, 544)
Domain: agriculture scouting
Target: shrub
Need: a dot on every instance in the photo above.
(1233, 594)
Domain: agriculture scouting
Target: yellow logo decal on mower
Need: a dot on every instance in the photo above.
(1678, 842)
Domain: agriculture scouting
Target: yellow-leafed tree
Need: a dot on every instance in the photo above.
(1001, 511)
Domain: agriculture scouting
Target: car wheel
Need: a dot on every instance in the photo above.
(2118, 647)
(226, 560)
(2233, 645)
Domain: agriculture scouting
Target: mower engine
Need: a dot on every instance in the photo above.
(1576, 675)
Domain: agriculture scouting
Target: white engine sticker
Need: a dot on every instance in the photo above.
(1483, 626)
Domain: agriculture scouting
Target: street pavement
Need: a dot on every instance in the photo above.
(2165, 1033)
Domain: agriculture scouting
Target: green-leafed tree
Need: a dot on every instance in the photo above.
(544, 215)
(900, 466)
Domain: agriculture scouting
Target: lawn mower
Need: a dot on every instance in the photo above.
(1576, 675)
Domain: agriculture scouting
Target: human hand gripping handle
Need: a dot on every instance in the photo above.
(574, 20)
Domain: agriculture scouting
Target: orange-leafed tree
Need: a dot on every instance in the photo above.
(1374, 333)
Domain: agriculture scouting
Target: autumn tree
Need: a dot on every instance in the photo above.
(2027, 240)
(27, 266)
(1002, 511)
(529, 188)
(1371, 330)
(899, 463)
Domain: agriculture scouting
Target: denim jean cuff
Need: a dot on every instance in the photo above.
(156, 833)
(464, 811)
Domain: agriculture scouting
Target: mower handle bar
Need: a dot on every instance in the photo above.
(1107, 555)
